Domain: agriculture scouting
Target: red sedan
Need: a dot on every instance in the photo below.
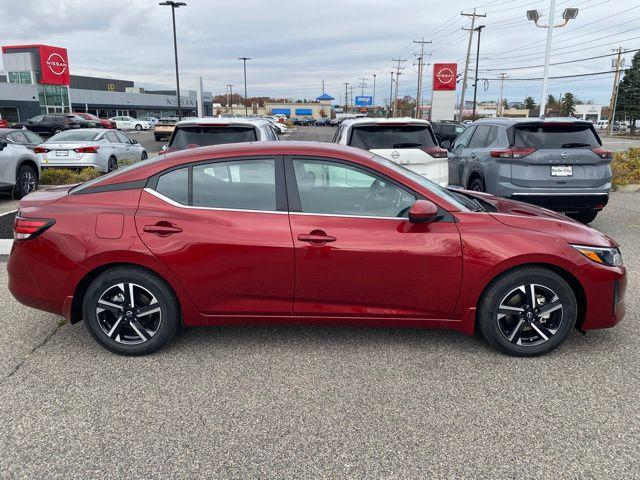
(99, 122)
(287, 232)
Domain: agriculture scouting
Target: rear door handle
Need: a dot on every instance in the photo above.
(162, 229)
(316, 237)
(473, 155)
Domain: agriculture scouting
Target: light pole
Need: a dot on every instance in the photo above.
(244, 62)
(534, 16)
(475, 84)
(373, 97)
(173, 6)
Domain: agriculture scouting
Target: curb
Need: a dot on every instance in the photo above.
(634, 187)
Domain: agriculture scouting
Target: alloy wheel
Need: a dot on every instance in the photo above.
(530, 315)
(128, 313)
(27, 182)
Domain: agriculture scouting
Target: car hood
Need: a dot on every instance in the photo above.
(530, 217)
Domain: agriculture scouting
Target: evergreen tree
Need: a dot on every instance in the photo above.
(568, 105)
(629, 93)
(529, 103)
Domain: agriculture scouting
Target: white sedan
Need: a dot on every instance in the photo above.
(130, 123)
(90, 147)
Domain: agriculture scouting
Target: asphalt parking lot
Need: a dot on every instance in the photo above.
(293, 402)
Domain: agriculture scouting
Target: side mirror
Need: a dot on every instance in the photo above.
(423, 211)
(133, 141)
(446, 144)
(2, 144)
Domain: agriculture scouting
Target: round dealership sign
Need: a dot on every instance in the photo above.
(445, 76)
(56, 64)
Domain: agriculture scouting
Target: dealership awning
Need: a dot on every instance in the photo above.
(281, 111)
(304, 111)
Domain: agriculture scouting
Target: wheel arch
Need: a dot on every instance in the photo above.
(472, 176)
(567, 276)
(31, 162)
(91, 275)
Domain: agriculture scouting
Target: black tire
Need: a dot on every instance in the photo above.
(144, 156)
(526, 341)
(584, 217)
(112, 165)
(138, 127)
(26, 181)
(56, 130)
(476, 185)
(157, 138)
(122, 337)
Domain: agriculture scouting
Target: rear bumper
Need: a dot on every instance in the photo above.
(564, 201)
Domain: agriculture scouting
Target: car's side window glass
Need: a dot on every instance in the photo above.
(32, 137)
(121, 137)
(479, 139)
(492, 136)
(242, 185)
(463, 140)
(175, 185)
(111, 137)
(19, 137)
(338, 189)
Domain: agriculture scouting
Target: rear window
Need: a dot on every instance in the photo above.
(199, 136)
(555, 136)
(73, 136)
(372, 137)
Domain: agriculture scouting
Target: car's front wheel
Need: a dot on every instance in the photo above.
(112, 165)
(528, 311)
(138, 127)
(144, 156)
(130, 311)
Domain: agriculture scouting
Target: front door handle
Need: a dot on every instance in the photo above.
(162, 229)
(473, 155)
(316, 237)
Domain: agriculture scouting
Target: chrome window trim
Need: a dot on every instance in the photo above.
(193, 207)
(557, 194)
(404, 219)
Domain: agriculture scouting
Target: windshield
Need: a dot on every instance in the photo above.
(199, 136)
(555, 136)
(383, 136)
(73, 136)
(449, 196)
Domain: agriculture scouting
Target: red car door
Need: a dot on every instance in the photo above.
(356, 253)
(222, 228)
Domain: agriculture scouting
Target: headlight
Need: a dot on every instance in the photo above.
(609, 256)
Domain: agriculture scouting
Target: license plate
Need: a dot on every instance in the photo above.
(561, 170)
(62, 153)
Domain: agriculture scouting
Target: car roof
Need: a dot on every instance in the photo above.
(223, 121)
(506, 121)
(91, 130)
(382, 121)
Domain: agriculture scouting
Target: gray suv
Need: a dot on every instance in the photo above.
(557, 163)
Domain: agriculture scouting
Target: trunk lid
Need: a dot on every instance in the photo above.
(44, 197)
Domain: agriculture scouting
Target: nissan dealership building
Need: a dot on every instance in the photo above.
(37, 80)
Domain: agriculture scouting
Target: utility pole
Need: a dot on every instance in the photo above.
(613, 103)
(244, 62)
(351, 103)
(420, 71)
(395, 98)
(363, 85)
(231, 95)
(466, 63)
(323, 86)
(346, 97)
(373, 97)
(499, 109)
(390, 95)
(475, 83)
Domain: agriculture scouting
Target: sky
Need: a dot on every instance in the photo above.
(294, 45)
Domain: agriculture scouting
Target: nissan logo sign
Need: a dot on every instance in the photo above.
(445, 75)
(56, 64)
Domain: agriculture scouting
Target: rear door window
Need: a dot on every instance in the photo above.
(199, 136)
(479, 139)
(555, 136)
(175, 185)
(371, 137)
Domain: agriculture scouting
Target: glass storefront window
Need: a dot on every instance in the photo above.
(20, 77)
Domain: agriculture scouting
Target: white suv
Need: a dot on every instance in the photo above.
(406, 141)
(19, 169)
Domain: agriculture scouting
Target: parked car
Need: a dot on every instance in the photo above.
(406, 141)
(447, 132)
(557, 163)
(200, 132)
(279, 128)
(19, 166)
(306, 233)
(91, 147)
(49, 124)
(21, 136)
(130, 123)
(164, 128)
(150, 120)
(4, 123)
(601, 124)
(323, 122)
(97, 122)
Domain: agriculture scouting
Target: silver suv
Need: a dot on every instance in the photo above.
(557, 163)
(19, 165)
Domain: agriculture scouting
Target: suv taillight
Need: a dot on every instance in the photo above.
(92, 149)
(602, 153)
(27, 228)
(513, 152)
(435, 152)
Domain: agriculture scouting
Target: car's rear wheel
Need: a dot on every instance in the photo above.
(584, 217)
(138, 127)
(144, 156)
(56, 130)
(130, 311)
(112, 165)
(527, 312)
(476, 185)
(26, 181)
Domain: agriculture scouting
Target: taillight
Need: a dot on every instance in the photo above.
(41, 150)
(602, 153)
(435, 152)
(93, 149)
(513, 152)
(27, 228)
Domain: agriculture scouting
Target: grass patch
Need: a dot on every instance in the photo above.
(625, 168)
(67, 176)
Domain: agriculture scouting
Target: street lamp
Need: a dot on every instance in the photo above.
(244, 61)
(534, 16)
(173, 6)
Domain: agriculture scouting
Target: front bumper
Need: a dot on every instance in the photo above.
(604, 289)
